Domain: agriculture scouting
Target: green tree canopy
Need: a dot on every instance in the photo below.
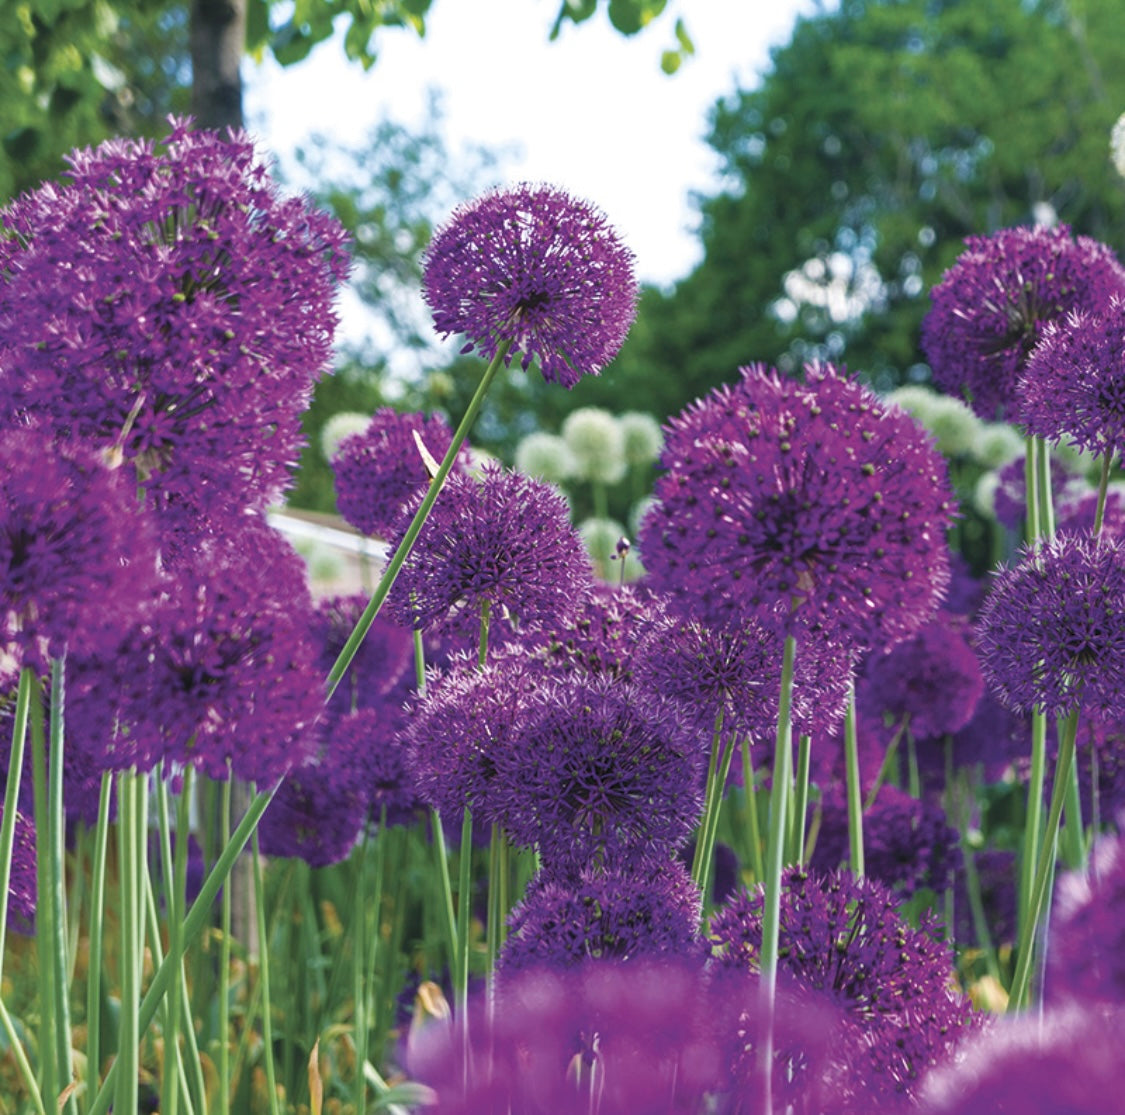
(884, 133)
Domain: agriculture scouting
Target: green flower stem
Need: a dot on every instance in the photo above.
(464, 907)
(485, 624)
(224, 958)
(797, 849)
(441, 854)
(359, 968)
(1018, 994)
(197, 918)
(751, 803)
(264, 977)
(707, 865)
(400, 555)
(94, 967)
(1031, 475)
(129, 823)
(1073, 835)
(854, 789)
(15, 1047)
(710, 805)
(775, 848)
(496, 913)
(1044, 492)
(1033, 820)
(914, 778)
(11, 796)
(370, 953)
(1103, 491)
(889, 762)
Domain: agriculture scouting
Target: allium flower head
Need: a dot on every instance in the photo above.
(233, 685)
(533, 266)
(1051, 634)
(1073, 386)
(605, 772)
(991, 306)
(1117, 145)
(805, 504)
(933, 678)
(546, 457)
(76, 556)
(378, 469)
(841, 938)
(168, 307)
(643, 437)
(1086, 959)
(1009, 497)
(997, 444)
(22, 881)
(1065, 1062)
(600, 914)
(500, 538)
(597, 440)
(340, 426)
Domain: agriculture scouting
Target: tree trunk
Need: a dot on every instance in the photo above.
(218, 39)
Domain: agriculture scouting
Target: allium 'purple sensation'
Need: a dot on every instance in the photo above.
(643, 1031)
(600, 914)
(377, 758)
(933, 678)
(535, 267)
(501, 538)
(990, 308)
(605, 772)
(382, 660)
(1074, 384)
(841, 938)
(22, 884)
(1067, 1062)
(738, 670)
(379, 469)
(233, 686)
(75, 556)
(455, 734)
(602, 636)
(907, 844)
(1051, 634)
(802, 504)
(315, 815)
(167, 306)
(1009, 501)
(1086, 959)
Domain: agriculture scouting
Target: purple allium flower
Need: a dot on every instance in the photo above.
(907, 844)
(499, 538)
(990, 308)
(642, 1030)
(604, 772)
(455, 734)
(379, 469)
(1067, 1062)
(1075, 515)
(933, 678)
(738, 669)
(599, 914)
(535, 267)
(169, 308)
(76, 557)
(602, 636)
(384, 657)
(1051, 634)
(995, 738)
(1073, 386)
(377, 761)
(22, 882)
(316, 815)
(1009, 501)
(233, 685)
(1086, 958)
(802, 504)
(841, 938)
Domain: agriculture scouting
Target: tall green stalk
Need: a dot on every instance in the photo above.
(775, 849)
(854, 790)
(398, 558)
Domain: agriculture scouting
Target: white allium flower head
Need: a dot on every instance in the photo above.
(953, 424)
(596, 439)
(545, 456)
(915, 399)
(1117, 145)
(984, 493)
(340, 426)
(643, 437)
(997, 444)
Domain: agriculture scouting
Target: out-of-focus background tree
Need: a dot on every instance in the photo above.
(882, 134)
